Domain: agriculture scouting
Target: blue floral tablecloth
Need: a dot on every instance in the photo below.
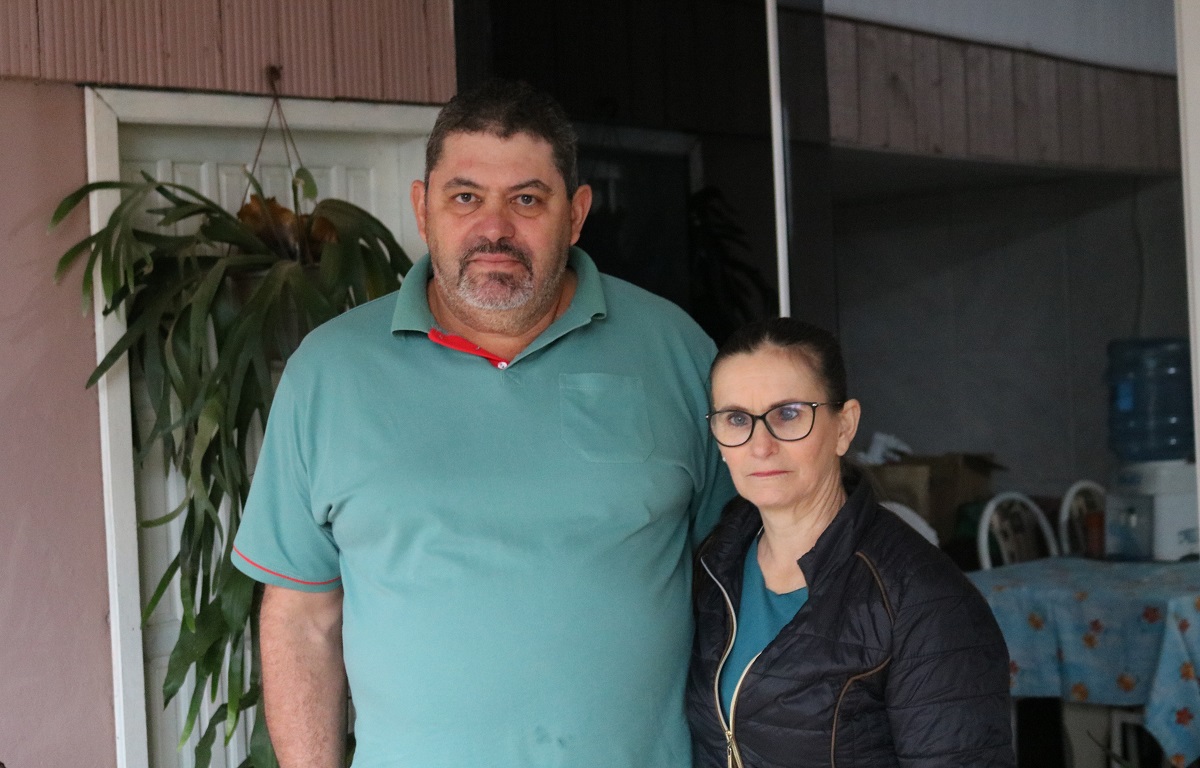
(1111, 633)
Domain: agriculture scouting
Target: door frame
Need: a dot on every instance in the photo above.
(105, 110)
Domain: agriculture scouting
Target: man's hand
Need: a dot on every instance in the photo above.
(304, 676)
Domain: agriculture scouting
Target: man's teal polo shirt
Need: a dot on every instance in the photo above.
(514, 541)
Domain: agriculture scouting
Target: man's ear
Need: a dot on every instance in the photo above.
(417, 194)
(581, 203)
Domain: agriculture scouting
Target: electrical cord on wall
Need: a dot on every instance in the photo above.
(1139, 247)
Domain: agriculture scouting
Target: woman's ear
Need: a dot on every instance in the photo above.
(847, 425)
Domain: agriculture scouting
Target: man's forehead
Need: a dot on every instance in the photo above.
(527, 148)
(500, 135)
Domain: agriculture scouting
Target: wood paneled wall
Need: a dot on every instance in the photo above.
(383, 50)
(910, 92)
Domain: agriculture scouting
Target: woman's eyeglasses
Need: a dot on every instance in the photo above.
(788, 422)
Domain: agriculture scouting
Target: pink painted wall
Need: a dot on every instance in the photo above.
(55, 668)
(56, 706)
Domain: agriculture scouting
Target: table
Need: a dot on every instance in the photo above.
(1109, 633)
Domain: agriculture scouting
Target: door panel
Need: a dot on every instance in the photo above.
(370, 170)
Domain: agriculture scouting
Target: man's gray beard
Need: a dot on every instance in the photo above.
(498, 291)
(495, 291)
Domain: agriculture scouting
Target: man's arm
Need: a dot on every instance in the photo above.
(304, 676)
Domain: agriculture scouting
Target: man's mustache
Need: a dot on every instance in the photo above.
(501, 246)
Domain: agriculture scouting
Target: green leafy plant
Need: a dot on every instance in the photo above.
(213, 302)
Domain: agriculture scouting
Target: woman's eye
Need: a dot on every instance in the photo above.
(737, 419)
(789, 412)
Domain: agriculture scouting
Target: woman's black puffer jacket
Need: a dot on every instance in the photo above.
(895, 660)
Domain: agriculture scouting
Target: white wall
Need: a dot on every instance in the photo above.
(1129, 34)
(979, 321)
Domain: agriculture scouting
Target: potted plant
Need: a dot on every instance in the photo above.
(210, 313)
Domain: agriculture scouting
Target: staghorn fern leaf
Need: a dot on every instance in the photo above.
(208, 315)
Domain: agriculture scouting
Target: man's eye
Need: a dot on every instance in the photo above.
(464, 197)
(526, 200)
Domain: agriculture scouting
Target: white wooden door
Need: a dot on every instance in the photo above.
(372, 170)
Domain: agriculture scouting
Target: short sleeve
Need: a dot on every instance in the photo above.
(718, 490)
(282, 540)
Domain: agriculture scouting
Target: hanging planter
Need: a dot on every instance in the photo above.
(209, 315)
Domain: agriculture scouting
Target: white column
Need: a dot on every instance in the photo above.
(777, 156)
(1187, 52)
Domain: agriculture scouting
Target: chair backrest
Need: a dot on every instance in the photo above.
(1081, 498)
(1019, 527)
(910, 516)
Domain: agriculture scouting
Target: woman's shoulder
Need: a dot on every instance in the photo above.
(907, 560)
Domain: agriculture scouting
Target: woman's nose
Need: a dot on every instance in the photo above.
(762, 442)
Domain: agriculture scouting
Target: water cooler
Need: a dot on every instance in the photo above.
(1151, 509)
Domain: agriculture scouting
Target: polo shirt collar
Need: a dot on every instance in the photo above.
(412, 302)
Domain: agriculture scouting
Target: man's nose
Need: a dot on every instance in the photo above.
(495, 221)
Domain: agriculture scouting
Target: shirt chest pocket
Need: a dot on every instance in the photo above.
(605, 417)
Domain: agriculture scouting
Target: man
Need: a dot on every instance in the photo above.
(480, 493)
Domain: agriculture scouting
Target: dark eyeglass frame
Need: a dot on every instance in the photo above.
(755, 418)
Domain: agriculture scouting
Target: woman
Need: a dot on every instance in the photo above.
(829, 633)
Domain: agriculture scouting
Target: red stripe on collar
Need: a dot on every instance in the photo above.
(459, 344)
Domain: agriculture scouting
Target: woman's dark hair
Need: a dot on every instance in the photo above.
(817, 346)
(504, 108)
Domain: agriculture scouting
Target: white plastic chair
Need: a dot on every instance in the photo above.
(1078, 499)
(1014, 520)
(1012, 517)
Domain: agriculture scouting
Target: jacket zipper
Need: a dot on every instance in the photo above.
(734, 754)
(733, 757)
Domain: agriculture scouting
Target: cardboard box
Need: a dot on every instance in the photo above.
(935, 486)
